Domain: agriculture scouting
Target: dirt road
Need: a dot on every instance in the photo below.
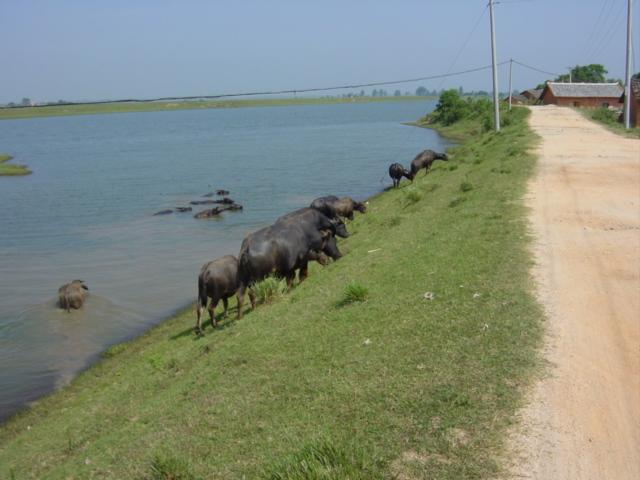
(583, 420)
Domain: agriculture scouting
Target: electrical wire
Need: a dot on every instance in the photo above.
(270, 92)
(535, 69)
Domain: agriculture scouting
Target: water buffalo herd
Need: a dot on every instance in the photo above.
(282, 249)
(424, 160)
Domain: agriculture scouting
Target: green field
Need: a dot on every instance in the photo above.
(11, 169)
(125, 107)
(405, 359)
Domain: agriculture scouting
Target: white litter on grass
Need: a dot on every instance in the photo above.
(429, 296)
(476, 295)
(374, 250)
(367, 342)
(485, 326)
(421, 366)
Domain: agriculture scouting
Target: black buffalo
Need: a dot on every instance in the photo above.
(218, 280)
(334, 207)
(425, 160)
(397, 171)
(317, 219)
(281, 250)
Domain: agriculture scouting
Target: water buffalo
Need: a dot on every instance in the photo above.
(334, 207)
(425, 160)
(218, 280)
(281, 249)
(163, 212)
(71, 295)
(397, 171)
(317, 219)
(222, 192)
(183, 209)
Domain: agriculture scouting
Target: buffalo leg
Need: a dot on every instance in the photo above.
(240, 296)
(252, 297)
(304, 272)
(225, 302)
(212, 312)
(199, 311)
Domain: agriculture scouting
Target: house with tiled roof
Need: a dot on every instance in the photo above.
(582, 94)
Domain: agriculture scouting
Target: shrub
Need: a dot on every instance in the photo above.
(270, 288)
(412, 195)
(169, 467)
(323, 460)
(466, 186)
(605, 115)
(354, 292)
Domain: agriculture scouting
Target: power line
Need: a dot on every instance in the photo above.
(588, 44)
(274, 92)
(535, 69)
(465, 43)
(610, 34)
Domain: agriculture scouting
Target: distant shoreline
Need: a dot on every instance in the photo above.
(13, 113)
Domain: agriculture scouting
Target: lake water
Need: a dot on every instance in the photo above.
(87, 212)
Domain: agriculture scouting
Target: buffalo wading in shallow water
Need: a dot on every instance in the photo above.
(397, 171)
(72, 295)
(218, 280)
(334, 207)
(425, 160)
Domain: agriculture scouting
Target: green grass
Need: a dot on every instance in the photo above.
(126, 107)
(397, 386)
(10, 169)
(609, 119)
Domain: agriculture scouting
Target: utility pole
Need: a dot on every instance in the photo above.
(496, 104)
(627, 73)
(510, 87)
(570, 71)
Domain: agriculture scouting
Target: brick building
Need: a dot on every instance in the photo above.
(582, 94)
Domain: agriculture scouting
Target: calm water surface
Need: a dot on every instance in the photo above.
(87, 212)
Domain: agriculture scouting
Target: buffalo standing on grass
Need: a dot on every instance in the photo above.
(282, 249)
(334, 207)
(218, 280)
(397, 171)
(425, 160)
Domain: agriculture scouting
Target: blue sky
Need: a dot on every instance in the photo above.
(89, 49)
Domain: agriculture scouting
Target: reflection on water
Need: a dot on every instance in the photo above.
(87, 212)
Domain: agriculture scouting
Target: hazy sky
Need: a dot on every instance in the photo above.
(90, 49)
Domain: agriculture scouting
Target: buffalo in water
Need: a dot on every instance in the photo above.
(397, 171)
(425, 160)
(72, 295)
(334, 207)
(282, 249)
(218, 280)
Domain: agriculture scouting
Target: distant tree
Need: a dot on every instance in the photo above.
(397, 93)
(12, 104)
(461, 90)
(421, 92)
(593, 73)
(374, 93)
(451, 107)
(62, 101)
(362, 93)
(382, 93)
(26, 102)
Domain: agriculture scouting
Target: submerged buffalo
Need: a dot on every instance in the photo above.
(282, 249)
(216, 211)
(72, 295)
(397, 171)
(334, 207)
(163, 212)
(218, 280)
(202, 202)
(425, 160)
(183, 209)
(222, 192)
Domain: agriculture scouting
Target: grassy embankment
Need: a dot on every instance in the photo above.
(353, 374)
(11, 169)
(609, 119)
(125, 107)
